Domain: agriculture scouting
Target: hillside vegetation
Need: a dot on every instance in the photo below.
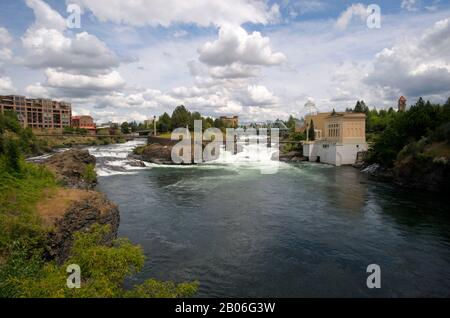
(26, 270)
(416, 145)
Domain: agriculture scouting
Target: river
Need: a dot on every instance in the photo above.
(309, 230)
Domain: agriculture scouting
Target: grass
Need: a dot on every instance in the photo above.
(90, 175)
(19, 194)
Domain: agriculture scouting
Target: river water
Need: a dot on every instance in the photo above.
(309, 230)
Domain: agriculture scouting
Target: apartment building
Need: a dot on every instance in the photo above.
(38, 113)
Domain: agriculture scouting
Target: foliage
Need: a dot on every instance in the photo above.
(291, 123)
(24, 270)
(422, 120)
(75, 131)
(14, 138)
(125, 128)
(19, 192)
(181, 117)
(89, 174)
(103, 271)
(164, 123)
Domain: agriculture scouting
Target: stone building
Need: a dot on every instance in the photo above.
(339, 137)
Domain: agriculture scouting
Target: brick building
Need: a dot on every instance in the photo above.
(38, 113)
(84, 122)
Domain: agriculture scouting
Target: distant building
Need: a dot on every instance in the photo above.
(230, 121)
(38, 113)
(84, 122)
(402, 104)
(339, 137)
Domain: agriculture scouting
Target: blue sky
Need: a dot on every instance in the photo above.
(254, 58)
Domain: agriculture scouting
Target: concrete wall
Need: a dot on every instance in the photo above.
(332, 153)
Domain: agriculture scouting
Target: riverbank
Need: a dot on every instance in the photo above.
(51, 217)
(422, 166)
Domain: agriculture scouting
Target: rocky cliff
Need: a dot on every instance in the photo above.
(427, 173)
(425, 169)
(65, 211)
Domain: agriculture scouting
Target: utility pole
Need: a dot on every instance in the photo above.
(154, 126)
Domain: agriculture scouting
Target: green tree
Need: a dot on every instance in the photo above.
(133, 126)
(181, 117)
(208, 122)
(358, 108)
(125, 128)
(164, 123)
(195, 116)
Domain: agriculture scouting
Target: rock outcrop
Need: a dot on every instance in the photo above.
(154, 153)
(292, 157)
(379, 173)
(74, 208)
(69, 211)
(73, 169)
(432, 174)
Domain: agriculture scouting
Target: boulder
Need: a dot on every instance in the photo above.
(73, 168)
(292, 156)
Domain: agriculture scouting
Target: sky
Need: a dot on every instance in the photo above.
(258, 59)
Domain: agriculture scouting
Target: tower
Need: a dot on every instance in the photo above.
(402, 104)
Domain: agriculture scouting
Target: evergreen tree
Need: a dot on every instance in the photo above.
(181, 117)
(195, 116)
(291, 123)
(164, 123)
(359, 108)
(447, 104)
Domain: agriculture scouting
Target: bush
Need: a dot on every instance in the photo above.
(103, 271)
(89, 174)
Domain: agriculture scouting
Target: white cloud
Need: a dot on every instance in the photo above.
(46, 17)
(409, 5)
(75, 65)
(260, 95)
(235, 70)
(6, 86)
(5, 37)
(168, 12)
(51, 48)
(108, 81)
(235, 45)
(355, 10)
(416, 67)
(180, 33)
(36, 90)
